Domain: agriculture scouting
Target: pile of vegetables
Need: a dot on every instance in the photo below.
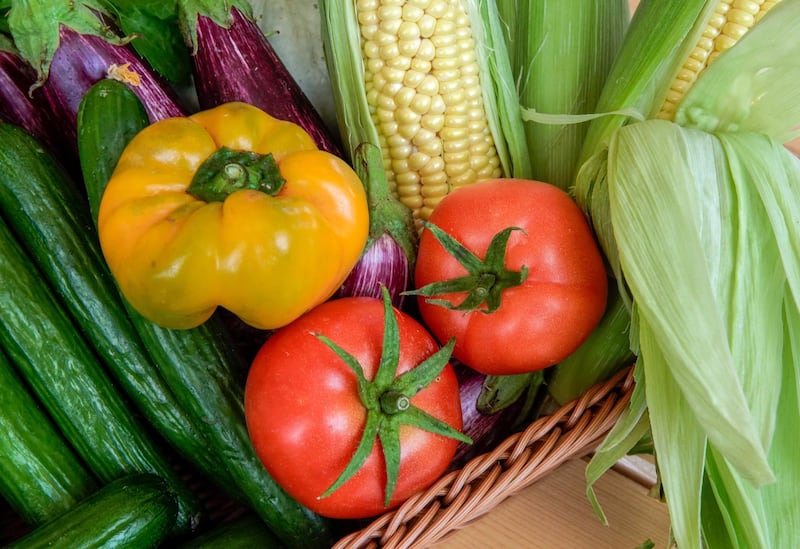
(205, 282)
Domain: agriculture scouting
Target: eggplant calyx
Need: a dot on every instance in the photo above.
(230, 170)
(387, 399)
(485, 279)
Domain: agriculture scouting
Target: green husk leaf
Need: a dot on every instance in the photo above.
(753, 86)
(500, 97)
(658, 39)
(341, 36)
(629, 429)
(564, 51)
(680, 441)
(671, 227)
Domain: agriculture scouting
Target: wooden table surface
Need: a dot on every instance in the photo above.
(555, 514)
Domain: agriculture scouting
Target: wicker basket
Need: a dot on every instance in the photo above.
(463, 496)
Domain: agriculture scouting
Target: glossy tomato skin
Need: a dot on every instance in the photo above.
(305, 417)
(547, 317)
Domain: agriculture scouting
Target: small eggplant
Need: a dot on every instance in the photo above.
(485, 430)
(71, 46)
(16, 105)
(390, 253)
(234, 61)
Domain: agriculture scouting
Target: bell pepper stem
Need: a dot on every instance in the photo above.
(229, 170)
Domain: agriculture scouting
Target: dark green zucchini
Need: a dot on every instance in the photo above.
(70, 382)
(137, 510)
(40, 475)
(203, 369)
(245, 532)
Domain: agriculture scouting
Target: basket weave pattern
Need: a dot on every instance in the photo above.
(463, 496)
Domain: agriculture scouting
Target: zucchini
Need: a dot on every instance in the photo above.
(245, 532)
(136, 510)
(203, 368)
(40, 475)
(48, 213)
(66, 377)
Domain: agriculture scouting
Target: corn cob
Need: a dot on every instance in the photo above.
(729, 22)
(424, 93)
(426, 70)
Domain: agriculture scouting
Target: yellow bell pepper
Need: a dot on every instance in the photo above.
(230, 207)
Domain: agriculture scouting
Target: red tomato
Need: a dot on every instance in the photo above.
(544, 319)
(306, 418)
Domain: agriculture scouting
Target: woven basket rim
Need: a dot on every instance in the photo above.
(461, 497)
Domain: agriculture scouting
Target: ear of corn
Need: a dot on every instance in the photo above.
(696, 208)
(728, 23)
(429, 82)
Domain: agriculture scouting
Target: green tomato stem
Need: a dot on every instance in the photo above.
(387, 399)
(486, 279)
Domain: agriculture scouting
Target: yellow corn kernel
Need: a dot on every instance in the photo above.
(425, 98)
(730, 21)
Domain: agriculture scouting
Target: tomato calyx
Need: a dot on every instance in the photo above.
(387, 399)
(230, 170)
(486, 279)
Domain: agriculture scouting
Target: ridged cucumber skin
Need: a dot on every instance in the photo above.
(137, 510)
(203, 369)
(40, 475)
(46, 210)
(245, 532)
(67, 378)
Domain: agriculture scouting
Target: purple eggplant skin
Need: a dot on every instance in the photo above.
(29, 111)
(486, 431)
(237, 63)
(383, 263)
(81, 60)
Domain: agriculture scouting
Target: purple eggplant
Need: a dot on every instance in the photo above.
(486, 430)
(71, 47)
(17, 106)
(83, 59)
(234, 61)
(390, 252)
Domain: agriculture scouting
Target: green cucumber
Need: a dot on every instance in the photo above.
(40, 475)
(136, 510)
(49, 214)
(203, 368)
(52, 356)
(245, 532)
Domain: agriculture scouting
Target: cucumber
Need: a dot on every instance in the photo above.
(40, 475)
(45, 208)
(203, 369)
(66, 377)
(136, 510)
(245, 532)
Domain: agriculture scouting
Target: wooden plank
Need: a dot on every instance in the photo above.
(554, 513)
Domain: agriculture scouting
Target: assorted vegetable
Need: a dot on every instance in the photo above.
(525, 198)
(225, 38)
(325, 389)
(520, 285)
(203, 368)
(230, 207)
(136, 510)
